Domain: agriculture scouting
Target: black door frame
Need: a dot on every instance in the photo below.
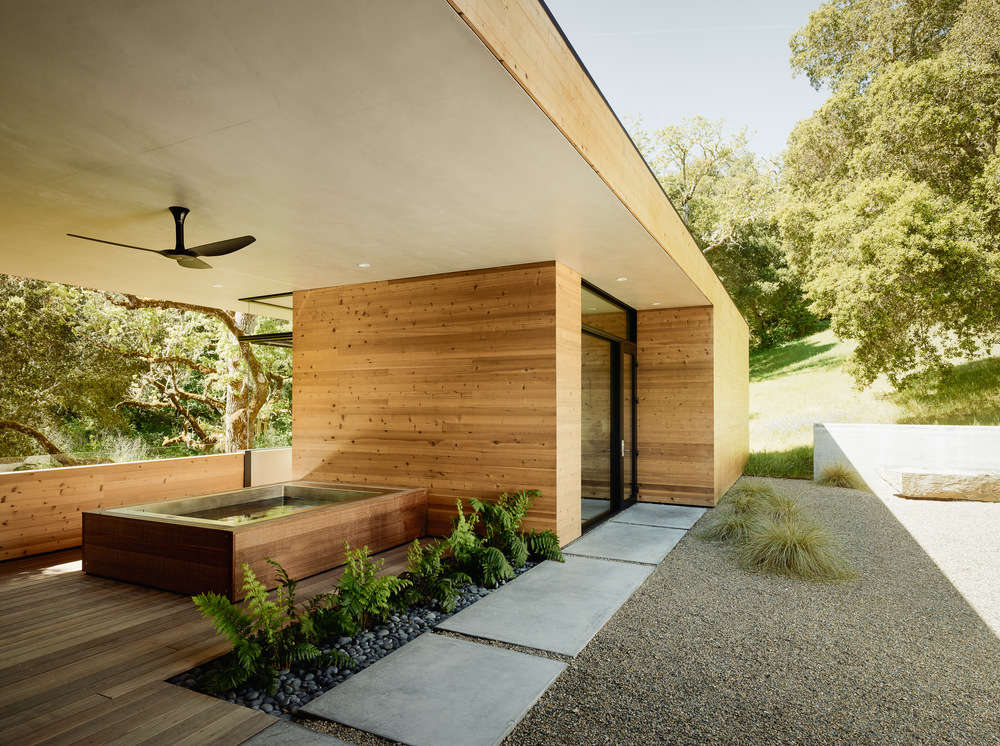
(619, 348)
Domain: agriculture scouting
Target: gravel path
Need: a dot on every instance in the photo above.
(706, 653)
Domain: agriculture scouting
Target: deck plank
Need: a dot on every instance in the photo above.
(85, 659)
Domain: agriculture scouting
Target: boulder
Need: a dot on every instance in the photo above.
(943, 484)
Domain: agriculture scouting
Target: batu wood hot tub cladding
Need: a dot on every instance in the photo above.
(192, 545)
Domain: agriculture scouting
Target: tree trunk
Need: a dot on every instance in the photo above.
(39, 437)
(240, 420)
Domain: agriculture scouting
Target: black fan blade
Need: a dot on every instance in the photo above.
(222, 247)
(114, 243)
(191, 262)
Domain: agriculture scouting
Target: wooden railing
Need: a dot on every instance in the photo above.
(40, 510)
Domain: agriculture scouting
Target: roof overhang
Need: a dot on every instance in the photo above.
(383, 132)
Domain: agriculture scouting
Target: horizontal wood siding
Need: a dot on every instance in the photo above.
(170, 555)
(676, 419)
(40, 511)
(314, 541)
(731, 345)
(446, 382)
(187, 558)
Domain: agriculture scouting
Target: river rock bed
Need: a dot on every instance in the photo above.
(303, 683)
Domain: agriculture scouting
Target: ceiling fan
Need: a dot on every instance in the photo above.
(190, 258)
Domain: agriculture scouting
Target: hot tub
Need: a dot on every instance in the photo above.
(199, 544)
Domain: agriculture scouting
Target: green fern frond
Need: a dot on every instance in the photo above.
(544, 545)
(494, 567)
(517, 550)
(230, 620)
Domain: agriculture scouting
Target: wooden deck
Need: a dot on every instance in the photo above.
(84, 659)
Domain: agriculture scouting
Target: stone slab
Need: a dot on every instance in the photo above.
(555, 606)
(943, 484)
(439, 690)
(667, 516)
(283, 733)
(627, 541)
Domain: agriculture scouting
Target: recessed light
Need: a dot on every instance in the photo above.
(364, 265)
(656, 303)
(620, 279)
(216, 286)
(592, 308)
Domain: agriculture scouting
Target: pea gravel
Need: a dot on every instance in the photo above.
(706, 653)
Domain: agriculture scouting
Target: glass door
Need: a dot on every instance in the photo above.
(608, 398)
(597, 431)
(629, 393)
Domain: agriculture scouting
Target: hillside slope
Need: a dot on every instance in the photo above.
(803, 382)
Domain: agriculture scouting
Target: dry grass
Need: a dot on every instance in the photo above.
(770, 532)
(794, 546)
(805, 381)
(838, 475)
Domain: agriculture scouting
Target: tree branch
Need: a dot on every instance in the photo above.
(169, 360)
(39, 437)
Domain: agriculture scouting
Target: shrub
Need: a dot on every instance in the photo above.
(838, 475)
(266, 635)
(544, 545)
(488, 543)
(430, 577)
(363, 596)
(793, 546)
(500, 523)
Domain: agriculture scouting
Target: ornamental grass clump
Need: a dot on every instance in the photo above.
(772, 533)
(794, 546)
(838, 475)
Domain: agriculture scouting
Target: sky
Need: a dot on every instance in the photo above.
(723, 59)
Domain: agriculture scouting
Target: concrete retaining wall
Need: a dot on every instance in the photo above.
(869, 448)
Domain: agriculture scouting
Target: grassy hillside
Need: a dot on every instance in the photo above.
(803, 382)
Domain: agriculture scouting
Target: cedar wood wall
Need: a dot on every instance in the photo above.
(40, 511)
(447, 382)
(693, 402)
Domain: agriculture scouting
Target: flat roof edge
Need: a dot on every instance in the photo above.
(528, 41)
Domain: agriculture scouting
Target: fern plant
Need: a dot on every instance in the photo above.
(489, 543)
(430, 576)
(501, 523)
(266, 635)
(363, 596)
(544, 545)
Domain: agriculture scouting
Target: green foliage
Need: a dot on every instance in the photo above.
(492, 567)
(794, 463)
(891, 189)
(967, 394)
(727, 195)
(364, 597)
(500, 522)
(55, 365)
(431, 580)
(94, 372)
(544, 545)
(266, 635)
(771, 532)
(838, 475)
(488, 543)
